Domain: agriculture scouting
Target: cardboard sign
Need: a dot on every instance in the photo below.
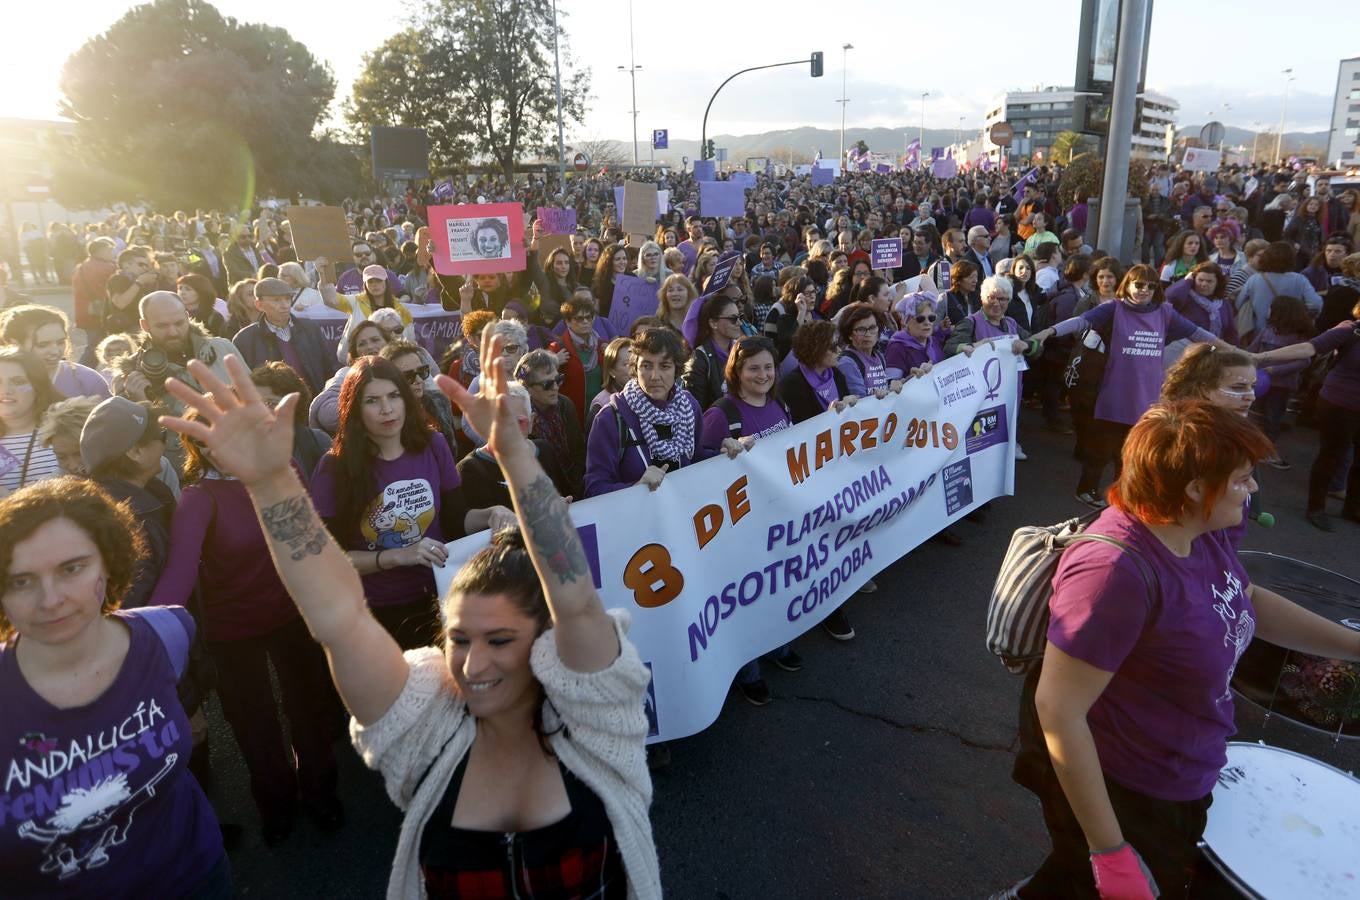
(321, 231)
(634, 298)
(822, 176)
(477, 238)
(557, 221)
(638, 213)
(722, 273)
(721, 198)
(1197, 159)
(547, 243)
(663, 203)
(886, 253)
(705, 170)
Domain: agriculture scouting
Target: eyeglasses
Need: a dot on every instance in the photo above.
(583, 317)
(921, 320)
(1145, 285)
(733, 319)
(508, 349)
(417, 375)
(548, 384)
(865, 329)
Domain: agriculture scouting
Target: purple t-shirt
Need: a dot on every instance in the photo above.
(98, 800)
(1162, 724)
(405, 510)
(756, 421)
(1133, 375)
(1342, 385)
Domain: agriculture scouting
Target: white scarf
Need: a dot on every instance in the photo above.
(677, 413)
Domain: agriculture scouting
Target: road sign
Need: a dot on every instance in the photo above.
(722, 154)
(1212, 134)
(1001, 134)
(580, 162)
(660, 141)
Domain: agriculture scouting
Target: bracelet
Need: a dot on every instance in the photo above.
(377, 560)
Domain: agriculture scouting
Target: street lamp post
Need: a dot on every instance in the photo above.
(844, 99)
(1284, 107)
(561, 147)
(958, 132)
(632, 69)
(921, 133)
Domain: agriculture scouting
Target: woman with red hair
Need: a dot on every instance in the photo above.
(1132, 708)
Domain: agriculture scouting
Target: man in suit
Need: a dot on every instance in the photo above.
(979, 246)
(243, 258)
(204, 260)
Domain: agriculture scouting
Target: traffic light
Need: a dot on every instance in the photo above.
(709, 152)
(817, 64)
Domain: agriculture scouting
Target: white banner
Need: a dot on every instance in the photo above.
(1198, 159)
(730, 559)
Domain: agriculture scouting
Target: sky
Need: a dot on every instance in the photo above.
(1197, 55)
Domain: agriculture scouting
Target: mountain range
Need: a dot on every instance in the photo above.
(801, 144)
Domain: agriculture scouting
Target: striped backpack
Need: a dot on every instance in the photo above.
(1017, 614)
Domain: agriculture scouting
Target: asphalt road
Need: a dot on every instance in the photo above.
(880, 770)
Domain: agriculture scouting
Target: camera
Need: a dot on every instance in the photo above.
(155, 365)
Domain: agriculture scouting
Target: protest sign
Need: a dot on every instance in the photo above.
(729, 559)
(547, 243)
(443, 190)
(822, 175)
(944, 167)
(634, 297)
(886, 253)
(638, 213)
(802, 170)
(721, 198)
(320, 231)
(705, 170)
(477, 239)
(722, 273)
(745, 179)
(663, 202)
(1197, 159)
(556, 221)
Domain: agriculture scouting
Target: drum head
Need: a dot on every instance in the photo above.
(1320, 694)
(1283, 825)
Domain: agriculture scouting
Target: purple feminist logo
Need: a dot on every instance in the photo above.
(992, 368)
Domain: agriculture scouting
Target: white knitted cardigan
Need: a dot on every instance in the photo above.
(428, 730)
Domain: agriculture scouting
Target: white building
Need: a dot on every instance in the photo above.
(1038, 116)
(1343, 147)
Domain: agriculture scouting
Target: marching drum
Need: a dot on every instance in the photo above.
(1283, 825)
(1316, 693)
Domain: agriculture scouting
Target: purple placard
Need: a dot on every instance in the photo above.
(721, 198)
(988, 430)
(443, 190)
(944, 168)
(557, 221)
(822, 175)
(886, 253)
(958, 486)
(705, 170)
(722, 273)
(745, 179)
(633, 298)
(883, 169)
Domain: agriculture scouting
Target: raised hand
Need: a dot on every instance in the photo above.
(242, 436)
(489, 411)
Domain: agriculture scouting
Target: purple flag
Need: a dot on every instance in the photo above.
(443, 190)
(1024, 182)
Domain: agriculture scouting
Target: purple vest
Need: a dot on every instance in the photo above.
(984, 330)
(1133, 375)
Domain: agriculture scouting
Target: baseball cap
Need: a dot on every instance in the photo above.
(375, 272)
(273, 287)
(113, 428)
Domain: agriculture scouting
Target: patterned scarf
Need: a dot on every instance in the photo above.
(551, 428)
(1212, 307)
(675, 420)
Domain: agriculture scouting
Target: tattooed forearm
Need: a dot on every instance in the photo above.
(551, 535)
(294, 524)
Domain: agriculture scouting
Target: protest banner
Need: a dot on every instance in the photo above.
(886, 253)
(320, 231)
(638, 213)
(634, 297)
(721, 198)
(1197, 159)
(705, 170)
(822, 175)
(556, 221)
(729, 559)
(432, 326)
(477, 238)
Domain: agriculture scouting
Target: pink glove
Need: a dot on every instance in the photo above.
(1121, 874)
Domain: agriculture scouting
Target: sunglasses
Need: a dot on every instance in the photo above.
(921, 320)
(547, 384)
(1145, 285)
(732, 319)
(418, 374)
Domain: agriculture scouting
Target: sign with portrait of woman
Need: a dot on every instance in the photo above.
(477, 239)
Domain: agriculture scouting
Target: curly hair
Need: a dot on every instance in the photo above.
(812, 341)
(110, 525)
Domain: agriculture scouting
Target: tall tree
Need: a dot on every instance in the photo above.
(182, 106)
(478, 76)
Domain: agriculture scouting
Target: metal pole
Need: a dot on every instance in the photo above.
(632, 76)
(703, 132)
(1128, 65)
(921, 133)
(845, 48)
(1284, 106)
(561, 145)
